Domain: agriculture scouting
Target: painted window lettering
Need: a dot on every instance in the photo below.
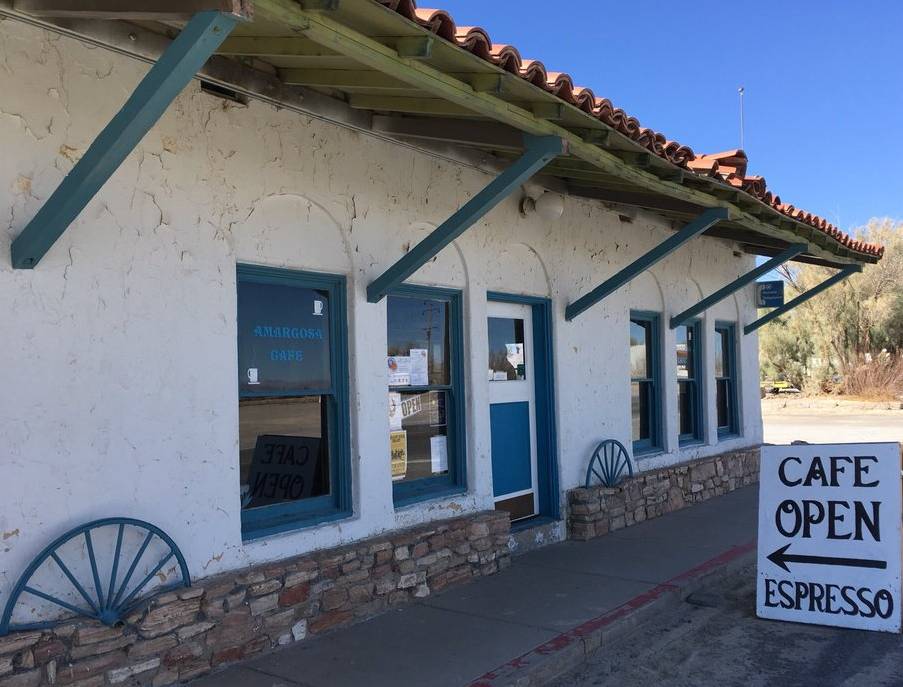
(288, 332)
(283, 356)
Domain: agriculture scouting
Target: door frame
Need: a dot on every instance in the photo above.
(544, 394)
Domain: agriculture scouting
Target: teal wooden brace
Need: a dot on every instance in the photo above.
(176, 67)
(705, 221)
(803, 297)
(539, 151)
(790, 252)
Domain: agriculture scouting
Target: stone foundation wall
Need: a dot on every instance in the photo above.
(184, 634)
(596, 511)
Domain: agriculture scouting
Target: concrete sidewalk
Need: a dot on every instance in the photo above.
(528, 623)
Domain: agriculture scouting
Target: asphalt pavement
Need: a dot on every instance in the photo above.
(715, 638)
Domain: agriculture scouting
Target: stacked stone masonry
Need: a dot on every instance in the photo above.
(184, 634)
(595, 511)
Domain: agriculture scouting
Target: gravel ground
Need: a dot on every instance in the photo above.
(715, 639)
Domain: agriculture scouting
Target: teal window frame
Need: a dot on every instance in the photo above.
(455, 482)
(275, 519)
(732, 429)
(654, 444)
(697, 406)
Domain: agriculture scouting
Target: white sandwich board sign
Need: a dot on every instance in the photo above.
(829, 549)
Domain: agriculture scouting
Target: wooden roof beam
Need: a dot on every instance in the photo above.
(465, 132)
(133, 10)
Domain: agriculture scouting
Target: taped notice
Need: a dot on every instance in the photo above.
(399, 370)
(395, 416)
(419, 367)
(398, 442)
(439, 454)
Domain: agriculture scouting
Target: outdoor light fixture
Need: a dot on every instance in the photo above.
(549, 206)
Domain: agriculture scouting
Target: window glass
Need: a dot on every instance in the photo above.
(284, 450)
(639, 410)
(283, 339)
(289, 402)
(507, 353)
(643, 382)
(421, 388)
(725, 382)
(687, 359)
(418, 435)
(418, 352)
(639, 351)
(718, 348)
(722, 403)
(685, 349)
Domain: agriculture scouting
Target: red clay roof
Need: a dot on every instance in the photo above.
(729, 166)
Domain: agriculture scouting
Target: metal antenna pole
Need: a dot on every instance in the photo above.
(740, 93)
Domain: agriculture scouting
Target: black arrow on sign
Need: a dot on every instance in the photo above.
(781, 558)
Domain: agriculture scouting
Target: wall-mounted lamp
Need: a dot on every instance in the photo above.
(549, 206)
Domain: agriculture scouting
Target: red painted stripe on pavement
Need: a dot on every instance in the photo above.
(565, 639)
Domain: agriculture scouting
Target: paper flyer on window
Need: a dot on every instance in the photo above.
(419, 367)
(399, 367)
(438, 454)
(399, 450)
(395, 417)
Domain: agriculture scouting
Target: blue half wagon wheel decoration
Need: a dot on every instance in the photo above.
(609, 461)
(97, 570)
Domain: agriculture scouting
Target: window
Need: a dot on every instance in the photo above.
(689, 398)
(292, 407)
(645, 403)
(726, 380)
(506, 349)
(425, 386)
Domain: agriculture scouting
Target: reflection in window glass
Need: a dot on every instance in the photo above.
(718, 348)
(284, 450)
(418, 357)
(418, 434)
(643, 383)
(689, 425)
(418, 341)
(283, 339)
(286, 399)
(507, 353)
(725, 381)
(639, 353)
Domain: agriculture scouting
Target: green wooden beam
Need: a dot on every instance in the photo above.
(342, 78)
(451, 130)
(273, 46)
(700, 224)
(766, 267)
(165, 80)
(146, 10)
(847, 271)
(415, 47)
(538, 151)
(408, 104)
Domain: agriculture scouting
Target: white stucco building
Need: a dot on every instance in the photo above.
(205, 320)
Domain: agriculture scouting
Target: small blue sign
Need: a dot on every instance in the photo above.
(769, 294)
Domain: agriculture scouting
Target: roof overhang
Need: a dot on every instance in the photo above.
(362, 64)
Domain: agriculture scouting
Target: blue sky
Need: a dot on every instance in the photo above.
(823, 81)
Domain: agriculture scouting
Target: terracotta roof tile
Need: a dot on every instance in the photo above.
(729, 166)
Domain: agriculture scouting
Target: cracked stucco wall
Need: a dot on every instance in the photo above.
(119, 393)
